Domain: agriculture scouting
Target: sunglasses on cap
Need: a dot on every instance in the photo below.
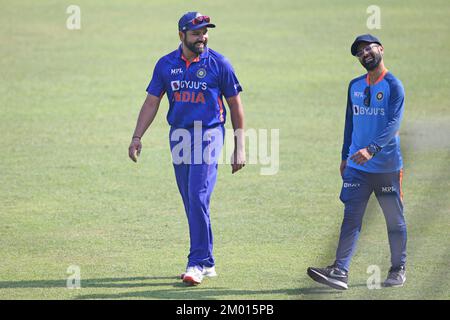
(200, 19)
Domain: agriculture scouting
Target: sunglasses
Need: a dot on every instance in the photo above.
(367, 48)
(367, 98)
(200, 19)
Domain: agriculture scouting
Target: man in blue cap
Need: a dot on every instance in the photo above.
(195, 79)
(371, 163)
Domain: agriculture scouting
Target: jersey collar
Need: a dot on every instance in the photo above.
(379, 78)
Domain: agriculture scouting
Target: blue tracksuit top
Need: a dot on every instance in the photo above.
(377, 122)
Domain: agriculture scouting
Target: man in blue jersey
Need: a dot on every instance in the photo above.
(371, 162)
(195, 79)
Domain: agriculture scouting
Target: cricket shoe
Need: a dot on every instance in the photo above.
(396, 277)
(331, 276)
(209, 272)
(193, 276)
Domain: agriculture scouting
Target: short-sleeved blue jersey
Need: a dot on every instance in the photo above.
(376, 123)
(194, 89)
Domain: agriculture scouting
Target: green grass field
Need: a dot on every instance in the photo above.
(69, 195)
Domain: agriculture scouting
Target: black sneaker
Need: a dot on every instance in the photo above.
(396, 277)
(331, 276)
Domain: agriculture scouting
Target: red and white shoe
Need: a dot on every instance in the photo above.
(193, 276)
(209, 272)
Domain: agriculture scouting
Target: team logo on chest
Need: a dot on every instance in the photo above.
(201, 73)
(380, 96)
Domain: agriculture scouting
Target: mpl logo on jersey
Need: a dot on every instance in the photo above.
(388, 189)
(176, 71)
(367, 111)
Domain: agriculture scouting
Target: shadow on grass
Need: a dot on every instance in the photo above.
(90, 283)
(177, 290)
(182, 292)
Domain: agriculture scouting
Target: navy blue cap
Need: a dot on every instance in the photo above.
(186, 22)
(363, 38)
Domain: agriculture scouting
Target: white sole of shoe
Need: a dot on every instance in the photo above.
(333, 283)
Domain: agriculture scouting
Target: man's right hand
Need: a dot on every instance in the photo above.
(342, 167)
(134, 150)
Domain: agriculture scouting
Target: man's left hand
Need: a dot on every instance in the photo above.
(237, 160)
(361, 156)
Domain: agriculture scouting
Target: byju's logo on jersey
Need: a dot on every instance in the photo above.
(189, 91)
(175, 85)
(351, 185)
(367, 111)
(196, 85)
(176, 71)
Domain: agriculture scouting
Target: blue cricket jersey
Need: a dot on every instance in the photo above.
(194, 89)
(378, 123)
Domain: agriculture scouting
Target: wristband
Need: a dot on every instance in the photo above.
(136, 137)
(373, 149)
